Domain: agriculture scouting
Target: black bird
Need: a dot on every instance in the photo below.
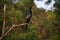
(29, 15)
(27, 18)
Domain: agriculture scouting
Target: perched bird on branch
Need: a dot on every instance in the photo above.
(28, 15)
(27, 18)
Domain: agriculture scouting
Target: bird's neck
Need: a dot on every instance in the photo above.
(30, 8)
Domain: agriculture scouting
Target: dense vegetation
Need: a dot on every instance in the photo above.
(43, 25)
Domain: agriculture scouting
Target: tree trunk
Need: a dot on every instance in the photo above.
(4, 17)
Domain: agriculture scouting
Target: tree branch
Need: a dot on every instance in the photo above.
(4, 17)
(11, 29)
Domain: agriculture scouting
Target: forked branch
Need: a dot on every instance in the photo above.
(13, 26)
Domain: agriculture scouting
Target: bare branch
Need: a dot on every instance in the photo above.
(11, 29)
(4, 17)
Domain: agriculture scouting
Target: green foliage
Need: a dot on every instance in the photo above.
(32, 34)
(45, 25)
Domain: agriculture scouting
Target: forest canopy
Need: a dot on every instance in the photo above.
(43, 25)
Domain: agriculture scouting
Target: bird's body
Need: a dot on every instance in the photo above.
(28, 15)
(27, 18)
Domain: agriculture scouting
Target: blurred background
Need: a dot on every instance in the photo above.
(44, 23)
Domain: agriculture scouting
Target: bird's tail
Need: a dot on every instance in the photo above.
(25, 28)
